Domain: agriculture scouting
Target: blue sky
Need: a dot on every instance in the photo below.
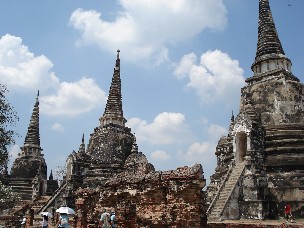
(183, 63)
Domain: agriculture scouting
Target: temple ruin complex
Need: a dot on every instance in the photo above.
(260, 162)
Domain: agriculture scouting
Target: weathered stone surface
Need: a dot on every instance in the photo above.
(267, 135)
(152, 199)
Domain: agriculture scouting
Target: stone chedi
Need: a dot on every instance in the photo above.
(260, 163)
(111, 173)
(28, 176)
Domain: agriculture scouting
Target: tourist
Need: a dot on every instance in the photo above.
(105, 219)
(63, 221)
(287, 211)
(23, 222)
(113, 219)
(45, 221)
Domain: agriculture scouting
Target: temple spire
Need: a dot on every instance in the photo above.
(113, 112)
(270, 54)
(33, 136)
(82, 145)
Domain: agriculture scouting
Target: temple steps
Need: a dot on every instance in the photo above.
(22, 187)
(284, 139)
(225, 192)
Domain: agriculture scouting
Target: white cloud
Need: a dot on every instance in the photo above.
(216, 131)
(73, 98)
(160, 155)
(14, 151)
(167, 128)
(57, 127)
(204, 151)
(144, 28)
(199, 151)
(216, 78)
(20, 69)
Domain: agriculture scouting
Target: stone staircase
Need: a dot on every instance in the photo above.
(47, 204)
(23, 187)
(218, 204)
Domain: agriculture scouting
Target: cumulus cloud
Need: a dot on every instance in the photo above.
(74, 98)
(145, 28)
(21, 70)
(204, 151)
(216, 77)
(167, 128)
(160, 155)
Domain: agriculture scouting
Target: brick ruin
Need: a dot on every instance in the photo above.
(110, 172)
(260, 165)
(145, 198)
(259, 162)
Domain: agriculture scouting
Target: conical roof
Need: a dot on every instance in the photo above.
(113, 111)
(268, 39)
(33, 136)
(270, 54)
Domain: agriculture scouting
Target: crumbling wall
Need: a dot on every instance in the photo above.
(154, 199)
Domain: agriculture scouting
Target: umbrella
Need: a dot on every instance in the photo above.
(46, 213)
(66, 210)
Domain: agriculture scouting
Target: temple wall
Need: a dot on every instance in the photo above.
(157, 199)
(278, 100)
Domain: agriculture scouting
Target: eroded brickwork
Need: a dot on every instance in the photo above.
(151, 199)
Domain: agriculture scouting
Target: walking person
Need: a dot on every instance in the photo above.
(23, 222)
(113, 220)
(45, 221)
(63, 221)
(287, 211)
(105, 219)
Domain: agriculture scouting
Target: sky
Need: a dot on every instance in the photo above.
(183, 64)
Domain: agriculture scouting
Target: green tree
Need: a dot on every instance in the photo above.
(8, 198)
(8, 118)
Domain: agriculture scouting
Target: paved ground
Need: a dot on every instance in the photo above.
(298, 223)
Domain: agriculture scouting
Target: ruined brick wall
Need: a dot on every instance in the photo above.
(156, 199)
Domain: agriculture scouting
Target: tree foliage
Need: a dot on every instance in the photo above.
(8, 118)
(7, 197)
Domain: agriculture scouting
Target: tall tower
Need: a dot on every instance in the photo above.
(260, 163)
(111, 143)
(30, 161)
(113, 112)
(275, 92)
(29, 170)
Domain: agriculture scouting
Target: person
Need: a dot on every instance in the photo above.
(113, 219)
(45, 221)
(23, 222)
(105, 219)
(63, 221)
(287, 211)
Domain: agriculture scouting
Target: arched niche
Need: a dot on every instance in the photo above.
(240, 146)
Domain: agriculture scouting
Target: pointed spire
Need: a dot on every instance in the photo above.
(231, 126)
(33, 136)
(113, 112)
(51, 176)
(270, 54)
(134, 146)
(268, 39)
(82, 145)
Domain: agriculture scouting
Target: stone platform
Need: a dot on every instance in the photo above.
(281, 223)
